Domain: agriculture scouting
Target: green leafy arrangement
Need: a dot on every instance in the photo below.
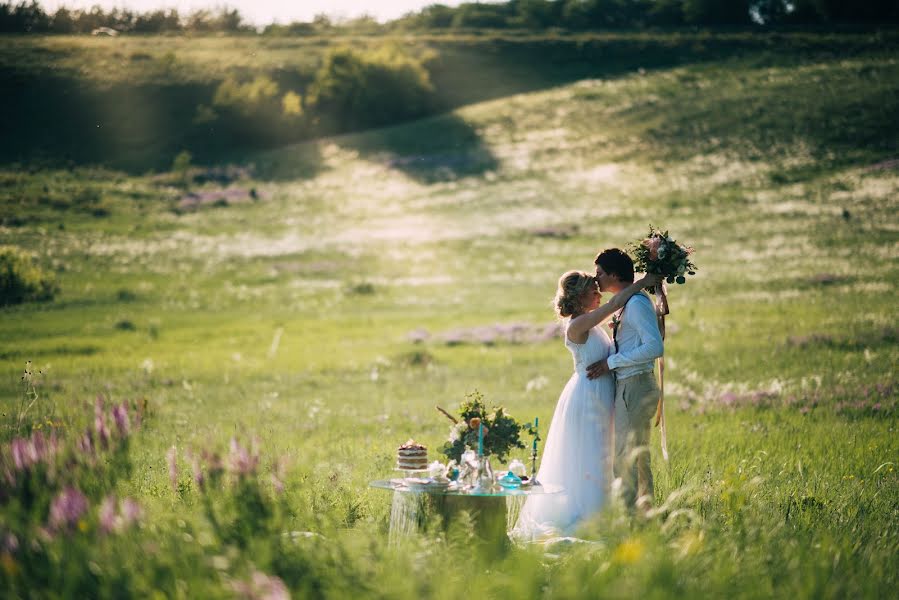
(501, 431)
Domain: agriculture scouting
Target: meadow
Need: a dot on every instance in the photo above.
(315, 301)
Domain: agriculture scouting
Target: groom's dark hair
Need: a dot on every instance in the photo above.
(616, 262)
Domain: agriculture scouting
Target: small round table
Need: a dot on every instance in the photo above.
(493, 512)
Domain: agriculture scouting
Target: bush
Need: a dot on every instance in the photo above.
(22, 281)
(255, 110)
(354, 89)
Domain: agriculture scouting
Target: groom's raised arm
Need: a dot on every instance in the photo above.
(642, 317)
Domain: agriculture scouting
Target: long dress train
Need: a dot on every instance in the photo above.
(577, 454)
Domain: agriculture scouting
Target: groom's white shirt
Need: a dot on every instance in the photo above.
(638, 337)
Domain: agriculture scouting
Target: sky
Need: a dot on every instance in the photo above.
(264, 12)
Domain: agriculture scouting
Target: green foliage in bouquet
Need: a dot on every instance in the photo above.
(501, 431)
(660, 254)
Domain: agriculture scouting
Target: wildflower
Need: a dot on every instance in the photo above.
(67, 508)
(262, 587)
(52, 447)
(279, 473)
(131, 511)
(122, 422)
(628, 552)
(242, 461)
(107, 515)
(172, 457)
(37, 447)
(474, 422)
(85, 443)
(199, 476)
(101, 429)
(19, 448)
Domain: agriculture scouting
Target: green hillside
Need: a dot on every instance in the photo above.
(134, 102)
(323, 296)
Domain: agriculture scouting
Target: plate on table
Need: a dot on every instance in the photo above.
(416, 483)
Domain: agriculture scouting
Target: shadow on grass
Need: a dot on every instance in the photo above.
(51, 119)
(61, 121)
(297, 161)
(430, 150)
(64, 350)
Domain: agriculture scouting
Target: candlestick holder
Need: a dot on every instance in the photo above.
(535, 432)
(533, 477)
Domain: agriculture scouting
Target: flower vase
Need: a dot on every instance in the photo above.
(485, 482)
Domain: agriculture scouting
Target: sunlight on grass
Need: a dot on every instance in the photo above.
(330, 314)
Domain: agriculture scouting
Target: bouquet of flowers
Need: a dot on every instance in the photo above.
(662, 255)
(501, 431)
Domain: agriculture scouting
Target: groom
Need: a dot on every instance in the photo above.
(638, 343)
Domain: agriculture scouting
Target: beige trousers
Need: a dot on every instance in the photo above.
(636, 399)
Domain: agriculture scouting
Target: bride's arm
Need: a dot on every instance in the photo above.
(580, 325)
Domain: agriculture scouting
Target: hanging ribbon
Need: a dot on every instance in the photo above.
(661, 311)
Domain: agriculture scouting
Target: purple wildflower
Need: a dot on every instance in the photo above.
(279, 474)
(418, 335)
(122, 422)
(85, 443)
(102, 430)
(242, 462)
(172, 457)
(19, 448)
(131, 511)
(100, 422)
(37, 447)
(262, 587)
(67, 508)
(107, 515)
(196, 469)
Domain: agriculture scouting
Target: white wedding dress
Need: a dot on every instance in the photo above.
(577, 453)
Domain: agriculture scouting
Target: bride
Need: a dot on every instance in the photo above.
(578, 452)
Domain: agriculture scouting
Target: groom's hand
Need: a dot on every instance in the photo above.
(597, 369)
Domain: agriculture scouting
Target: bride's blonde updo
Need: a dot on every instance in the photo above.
(570, 294)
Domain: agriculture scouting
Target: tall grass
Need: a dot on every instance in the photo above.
(327, 317)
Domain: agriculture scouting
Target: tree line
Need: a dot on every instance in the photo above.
(574, 15)
(30, 17)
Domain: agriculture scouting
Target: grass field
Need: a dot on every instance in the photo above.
(371, 276)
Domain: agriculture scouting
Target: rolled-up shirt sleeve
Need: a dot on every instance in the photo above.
(642, 318)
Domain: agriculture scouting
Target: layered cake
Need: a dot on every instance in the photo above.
(412, 456)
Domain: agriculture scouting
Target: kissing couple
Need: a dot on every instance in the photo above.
(601, 425)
